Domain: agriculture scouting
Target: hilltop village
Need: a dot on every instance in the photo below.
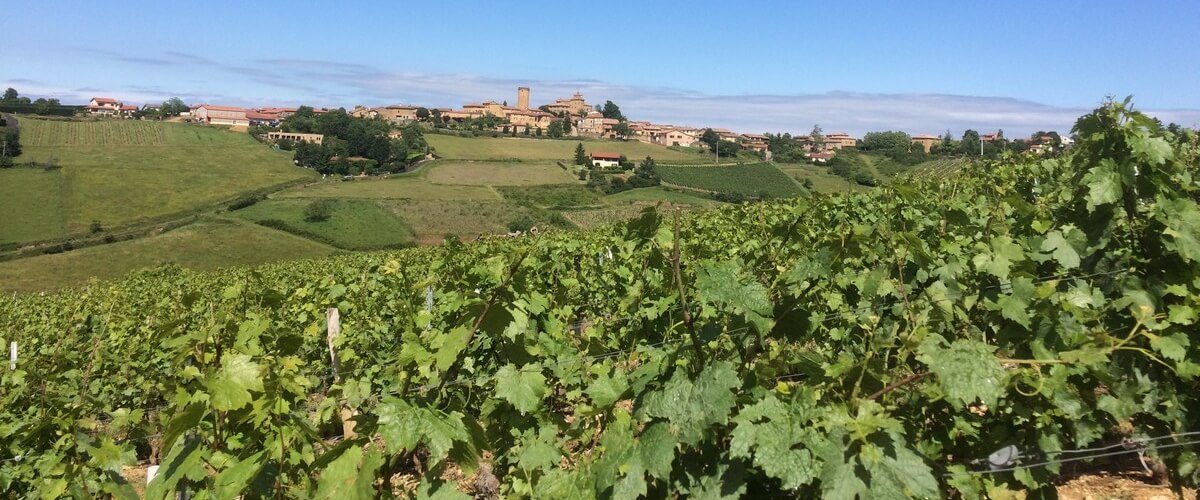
(576, 117)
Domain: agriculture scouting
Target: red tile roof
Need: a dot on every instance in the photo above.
(606, 156)
(212, 107)
(255, 115)
(105, 100)
(129, 107)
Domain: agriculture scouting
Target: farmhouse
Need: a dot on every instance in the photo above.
(296, 137)
(926, 141)
(220, 115)
(104, 106)
(839, 140)
(606, 160)
(754, 142)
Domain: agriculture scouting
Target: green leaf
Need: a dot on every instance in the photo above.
(967, 370)
(1103, 183)
(453, 343)
(524, 388)
(777, 435)
(404, 427)
(1015, 305)
(691, 407)
(606, 390)
(901, 475)
(342, 477)
(232, 480)
(657, 449)
(724, 282)
(1182, 219)
(229, 388)
(538, 450)
(1061, 249)
(1172, 347)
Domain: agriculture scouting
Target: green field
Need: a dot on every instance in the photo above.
(657, 194)
(485, 173)
(210, 244)
(431, 220)
(823, 181)
(553, 196)
(121, 171)
(354, 224)
(749, 179)
(515, 148)
(942, 167)
(396, 188)
(32, 201)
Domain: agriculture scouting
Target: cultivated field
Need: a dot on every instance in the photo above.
(354, 224)
(32, 204)
(396, 188)
(485, 173)
(823, 181)
(943, 167)
(121, 171)
(748, 179)
(516, 148)
(657, 194)
(432, 220)
(210, 244)
(551, 196)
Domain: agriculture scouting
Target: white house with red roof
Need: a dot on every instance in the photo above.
(606, 160)
(104, 106)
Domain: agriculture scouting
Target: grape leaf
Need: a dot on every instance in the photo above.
(230, 387)
(523, 388)
(691, 407)
(967, 370)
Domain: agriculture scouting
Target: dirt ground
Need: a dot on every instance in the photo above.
(1123, 486)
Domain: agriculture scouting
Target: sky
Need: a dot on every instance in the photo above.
(751, 66)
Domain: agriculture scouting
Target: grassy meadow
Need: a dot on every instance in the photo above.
(353, 224)
(210, 244)
(119, 172)
(534, 150)
(32, 204)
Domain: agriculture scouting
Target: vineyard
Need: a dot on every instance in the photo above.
(749, 179)
(41, 132)
(886, 344)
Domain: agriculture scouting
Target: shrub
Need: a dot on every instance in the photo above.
(522, 224)
(96, 227)
(245, 201)
(318, 211)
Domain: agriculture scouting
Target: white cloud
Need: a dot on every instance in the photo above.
(329, 83)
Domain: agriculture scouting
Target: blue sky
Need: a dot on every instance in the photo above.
(923, 67)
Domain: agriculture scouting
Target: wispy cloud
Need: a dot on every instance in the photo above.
(339, 83)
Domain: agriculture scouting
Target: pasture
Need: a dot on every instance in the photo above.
(32, 201)
(395, 188)
(823, 181)
(551, 196)
(523, 149)
(431, 220)
(210, 244)
(751, 179)
(354, 224)
(484, 173)
(120, 172)
(659, 194)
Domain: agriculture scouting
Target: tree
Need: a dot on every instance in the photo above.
(556, 129)
(622, 129)
(566, 125)
(970, 143)
(437, 116)
(710, 139)
(886, 141)
(611, 110)
(580, 154)
(10, 95)
(818, 138)
(422, 114)
(173, 106)
(728, 148)
(11, 145)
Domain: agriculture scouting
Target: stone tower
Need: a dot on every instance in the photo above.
(522, 97)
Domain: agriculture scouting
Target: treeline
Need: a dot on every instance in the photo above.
(14, 102)
(351, 145)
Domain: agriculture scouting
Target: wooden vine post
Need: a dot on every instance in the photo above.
(333, 322)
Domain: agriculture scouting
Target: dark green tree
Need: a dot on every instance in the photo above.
(556, 129)
(611, 110)
(710, 139)
(621, 129)
(422, 114)
(969, 145)
(10, 95)
(818, 138)
(580, 155)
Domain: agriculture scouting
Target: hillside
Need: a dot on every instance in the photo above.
(875, 345)
(119, 172)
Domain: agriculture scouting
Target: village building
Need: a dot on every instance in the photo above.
(128, 110)
(606, 160)
(396, 113)
(838, 140)
(926, 141)
(820, 157)
(104, 106)
(296, 137)
(220, 115)
(596, 125)
(574, 106)
(754, 142)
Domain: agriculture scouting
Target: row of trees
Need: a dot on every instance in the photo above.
(353, 145)
(15, 101)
